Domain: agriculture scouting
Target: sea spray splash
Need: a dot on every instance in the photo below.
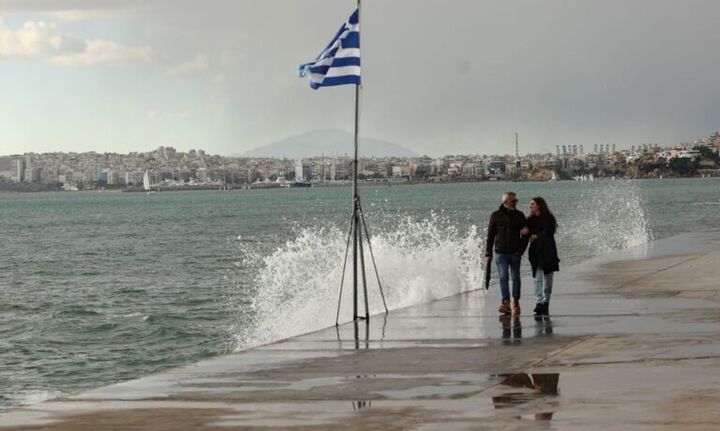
(610, 215)
(297, 286)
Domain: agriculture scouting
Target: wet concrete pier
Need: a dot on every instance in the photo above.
(633, 343)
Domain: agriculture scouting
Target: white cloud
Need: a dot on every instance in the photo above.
(199, 63)
(45, 40)
(33, 39)
(151, 114)
(103, 52)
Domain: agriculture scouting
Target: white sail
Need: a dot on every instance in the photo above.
(146, 181)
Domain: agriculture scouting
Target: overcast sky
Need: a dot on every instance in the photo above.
(440, 77)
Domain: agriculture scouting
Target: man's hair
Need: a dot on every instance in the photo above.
(507, 195)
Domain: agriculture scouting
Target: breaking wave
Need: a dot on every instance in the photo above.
(609, 216)
(297, 285)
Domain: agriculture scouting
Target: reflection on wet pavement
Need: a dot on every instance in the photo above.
(359, 405)
(362, 338)
(511, 329)
(543, 326)
(358, 336)
(537, 387)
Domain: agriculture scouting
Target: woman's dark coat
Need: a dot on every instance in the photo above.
(543, 251)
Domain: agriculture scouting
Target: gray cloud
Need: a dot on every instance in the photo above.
(453, 76)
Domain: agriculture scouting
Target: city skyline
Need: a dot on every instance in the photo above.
(579, 149)
(124, 76)
(165, 166)
(507, 149)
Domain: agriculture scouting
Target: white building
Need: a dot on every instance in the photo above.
(299, 171)
(689, 154)
(400, 171)
(12, 168)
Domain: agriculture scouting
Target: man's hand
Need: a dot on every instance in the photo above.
(487, 259)
(534, 238)
(524, 231)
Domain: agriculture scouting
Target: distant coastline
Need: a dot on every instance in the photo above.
(334, 184)
(167, 168)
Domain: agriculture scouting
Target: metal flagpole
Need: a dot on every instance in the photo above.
(358, 228)
(356, 195)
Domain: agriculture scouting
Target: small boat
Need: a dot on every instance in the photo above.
(146, 183)
(300, 185)
(553, 178)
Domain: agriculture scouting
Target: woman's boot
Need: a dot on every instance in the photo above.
(538, 311)
(546, 309)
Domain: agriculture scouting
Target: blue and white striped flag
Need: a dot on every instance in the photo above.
(339, 63)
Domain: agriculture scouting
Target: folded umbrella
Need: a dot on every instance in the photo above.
(488, 273)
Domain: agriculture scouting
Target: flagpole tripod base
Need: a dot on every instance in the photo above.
(358, 230)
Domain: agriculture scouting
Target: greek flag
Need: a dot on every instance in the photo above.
(339, 63)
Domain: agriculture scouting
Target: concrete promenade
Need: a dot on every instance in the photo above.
(633, 343)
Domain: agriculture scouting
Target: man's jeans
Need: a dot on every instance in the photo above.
(543, 286)
(508, 264)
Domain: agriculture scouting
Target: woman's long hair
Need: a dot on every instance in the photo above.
(546, 216)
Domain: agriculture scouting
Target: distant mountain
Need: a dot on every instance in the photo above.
(331, 142)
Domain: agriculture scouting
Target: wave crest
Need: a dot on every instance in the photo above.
(297, 286)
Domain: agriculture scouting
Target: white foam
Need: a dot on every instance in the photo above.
(610, 216)
(27, 398)
(297, 286)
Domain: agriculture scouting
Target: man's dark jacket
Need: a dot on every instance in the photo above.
(504, 232)
(543, 251)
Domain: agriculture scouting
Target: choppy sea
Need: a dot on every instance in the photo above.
(97, 288)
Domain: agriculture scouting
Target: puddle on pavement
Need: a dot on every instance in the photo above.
(519, 390)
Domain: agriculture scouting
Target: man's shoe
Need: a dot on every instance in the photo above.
(516, 307)
(505, 308)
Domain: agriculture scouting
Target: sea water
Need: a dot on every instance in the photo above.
(97, 288)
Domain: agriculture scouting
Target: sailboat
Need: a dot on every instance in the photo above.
(553, 178)
(146, 183)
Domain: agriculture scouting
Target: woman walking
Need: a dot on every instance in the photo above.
(543, 253)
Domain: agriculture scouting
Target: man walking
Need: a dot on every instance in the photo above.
(507, 235)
